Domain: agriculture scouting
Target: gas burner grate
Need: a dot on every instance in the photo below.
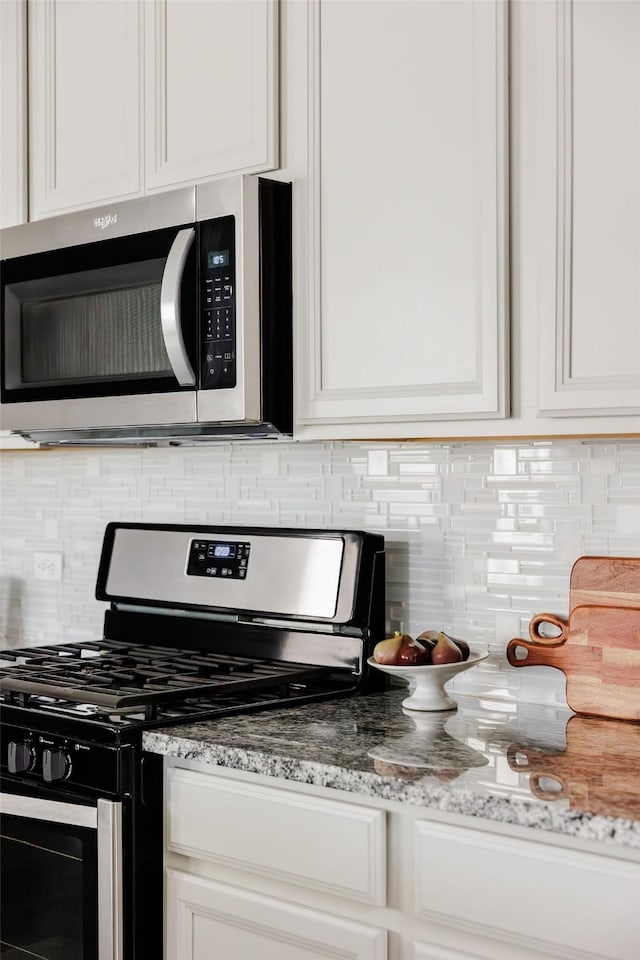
(118, 676)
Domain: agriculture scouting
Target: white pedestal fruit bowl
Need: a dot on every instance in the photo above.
(427, 682)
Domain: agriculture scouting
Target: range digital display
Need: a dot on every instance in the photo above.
(218, 558)
(223, 550)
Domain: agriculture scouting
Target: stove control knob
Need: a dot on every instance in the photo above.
(56, 765)
(21, 757)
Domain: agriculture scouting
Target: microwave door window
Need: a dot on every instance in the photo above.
(94, 336)
(88, 327)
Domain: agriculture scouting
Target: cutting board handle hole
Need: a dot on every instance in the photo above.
(550, 784)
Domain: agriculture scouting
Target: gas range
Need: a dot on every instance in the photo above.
(206, 621)
(202, 621)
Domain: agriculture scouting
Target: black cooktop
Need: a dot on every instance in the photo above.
(120, 676)
(123, 685)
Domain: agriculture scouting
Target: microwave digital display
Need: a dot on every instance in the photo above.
(218, 258)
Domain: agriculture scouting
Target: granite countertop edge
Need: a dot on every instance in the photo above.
(504, 809)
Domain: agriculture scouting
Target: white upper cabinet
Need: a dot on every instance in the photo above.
(211, 85)
(85, 89)
(132, 96)
(13, 111)
(398, 145)
(587, 142)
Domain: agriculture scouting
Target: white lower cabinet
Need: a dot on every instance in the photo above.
(324, 845)
(533, 894)
(256, 869)
(207, 919)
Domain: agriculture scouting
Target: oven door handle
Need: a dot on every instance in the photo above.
(53, 811)
(110, 905)
(170, 308)
(106, 819)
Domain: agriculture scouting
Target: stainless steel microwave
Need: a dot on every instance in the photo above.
(160, 319)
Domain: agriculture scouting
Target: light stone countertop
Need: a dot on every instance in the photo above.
(521, 764)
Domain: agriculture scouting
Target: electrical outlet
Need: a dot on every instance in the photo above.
(47, 566)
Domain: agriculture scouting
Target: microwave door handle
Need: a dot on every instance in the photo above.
(170, 308)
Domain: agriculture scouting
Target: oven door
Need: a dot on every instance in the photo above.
(61, 879)
(101, 334)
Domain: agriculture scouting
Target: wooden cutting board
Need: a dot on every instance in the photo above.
(605, 581)
(597, 772)
(600, 655)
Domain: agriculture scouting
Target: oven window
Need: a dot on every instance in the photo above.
(48, 891)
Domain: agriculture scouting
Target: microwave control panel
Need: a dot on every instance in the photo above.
(218, 304)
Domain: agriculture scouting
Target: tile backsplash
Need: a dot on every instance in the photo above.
(480, 536)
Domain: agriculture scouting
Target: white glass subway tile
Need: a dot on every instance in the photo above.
(629, 518)
(519, 538)
(536, 495)
(505, 461)
(596, 466)
(594, 488)
(628, 454)
(378, 463)
(418, 469)
(435, 510)
(503, 566)
(629, 486)
(402, 496)
(619, 546)
(480, 536)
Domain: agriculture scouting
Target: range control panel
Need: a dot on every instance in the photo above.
(218, 304)
(218, 558)
(37, 756)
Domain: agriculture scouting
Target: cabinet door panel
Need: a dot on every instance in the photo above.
(405, 215)
(13, 110)
(329, 846)
(588, 144)
(84, 84)
(211, 72)
(512, 890)
(206, 919)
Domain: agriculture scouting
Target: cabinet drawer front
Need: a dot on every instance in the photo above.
(509, 889)
(335, 847)
(207, 919)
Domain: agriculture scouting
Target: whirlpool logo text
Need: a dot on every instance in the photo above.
(106, 221)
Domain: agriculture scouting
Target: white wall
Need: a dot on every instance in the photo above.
(480, 536)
